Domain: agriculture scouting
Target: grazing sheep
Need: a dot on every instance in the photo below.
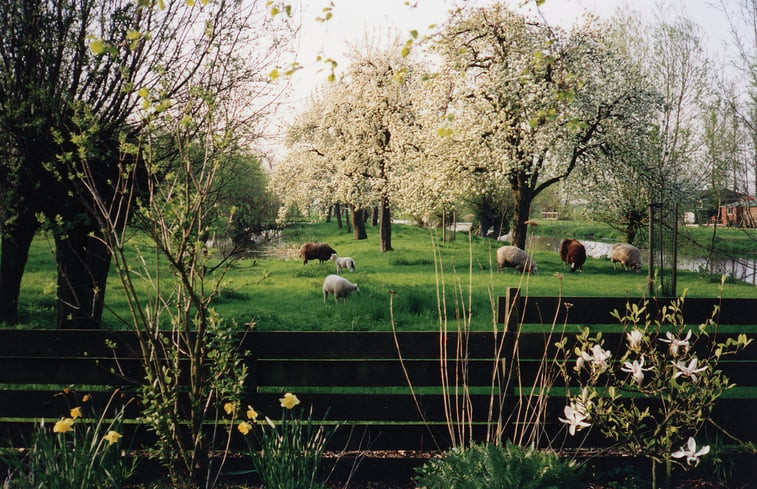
(339, 287)
(628, 255)
(512, 256)
(573, 253)
(343, 262)
(316, 251)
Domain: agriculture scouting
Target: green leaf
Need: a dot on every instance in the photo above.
(96, 46)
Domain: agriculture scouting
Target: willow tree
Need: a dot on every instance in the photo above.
(101, 61)
(535, 98)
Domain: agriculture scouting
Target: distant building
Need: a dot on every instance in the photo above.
(742, 213)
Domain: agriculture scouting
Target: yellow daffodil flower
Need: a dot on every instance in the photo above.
(251, 413)
(229, 407)
(63, 425)
(86, 398)
(244, 427)
(76, 412)
(289, 400)
(112, 437)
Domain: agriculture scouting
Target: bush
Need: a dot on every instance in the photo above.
(501, 467)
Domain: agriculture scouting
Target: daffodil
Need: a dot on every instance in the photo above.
(86, 398)
(675, 344)
(251, 413)
(244, 427)
(76, 412)
(289, 400)
(689, 370)
(229, 408)
(690, 452)
(63, 425)
(574, 418)
(636, 369)
(112, 437)
(634, 338)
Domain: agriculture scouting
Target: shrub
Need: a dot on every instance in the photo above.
(496, 466)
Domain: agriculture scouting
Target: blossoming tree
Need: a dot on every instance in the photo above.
(536, 98)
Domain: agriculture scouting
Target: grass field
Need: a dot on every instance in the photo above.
(280, 293)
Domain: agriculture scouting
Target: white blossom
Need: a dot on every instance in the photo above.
(635, 338)
(575, 419)
(689, 370)
(675, 344)
(636, 369)
(690, 452)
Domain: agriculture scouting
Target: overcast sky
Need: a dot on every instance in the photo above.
(355, 22)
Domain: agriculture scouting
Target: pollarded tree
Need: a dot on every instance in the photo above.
(535, 98)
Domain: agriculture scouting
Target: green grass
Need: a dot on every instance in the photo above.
(693, 240)
(283, 294)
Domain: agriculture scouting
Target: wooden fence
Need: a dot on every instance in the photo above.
(356, 379)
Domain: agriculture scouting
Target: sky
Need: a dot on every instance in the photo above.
(357, 22)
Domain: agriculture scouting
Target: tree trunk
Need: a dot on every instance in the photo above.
(358, 222)
(484, 213)
(348, 219)
(83, 263)
(16, 241)
(523, 197)
(338, 214)
(385, 228)
(375, 216)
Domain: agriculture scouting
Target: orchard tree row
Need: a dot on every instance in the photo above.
(494, 108)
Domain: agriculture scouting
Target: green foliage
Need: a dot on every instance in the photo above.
(498, 467)
(287, 455)
(82, 450)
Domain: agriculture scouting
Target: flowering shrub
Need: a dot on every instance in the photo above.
(661, 389)
(82, 450)
(287, 455)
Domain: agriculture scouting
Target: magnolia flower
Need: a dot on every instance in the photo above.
(599, 358)
(112, 437)
(63, 425)
(635, 338)
(690, 452)
(675, 343)
(244, 427)
(574, 418)
(251, 413)
(636, 369)
(579, 363)
(229, 407)
(689, 370)
(76, 412)
(289, 400)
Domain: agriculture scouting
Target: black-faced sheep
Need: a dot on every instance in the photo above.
(316, 251)
(343, 262)
(573, 253)
(514, 257)
(628, 255)
(338, 287)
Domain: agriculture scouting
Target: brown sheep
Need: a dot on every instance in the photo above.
(316, 251)
(573, 253)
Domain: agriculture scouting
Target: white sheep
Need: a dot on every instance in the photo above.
(339, 287)
(343, 262)
(628, 255)
(512, 256)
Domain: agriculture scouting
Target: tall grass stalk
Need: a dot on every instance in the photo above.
(528, 414)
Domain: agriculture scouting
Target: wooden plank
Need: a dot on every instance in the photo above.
(596, 310)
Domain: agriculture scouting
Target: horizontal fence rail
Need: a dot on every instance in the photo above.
(359, 380)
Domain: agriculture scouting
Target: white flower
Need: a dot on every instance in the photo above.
(689, 370)
(635, 338)
(574, 418)
(636, 369)
(690, 452)
(579, 363)
(675, 343)
(599, 358)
